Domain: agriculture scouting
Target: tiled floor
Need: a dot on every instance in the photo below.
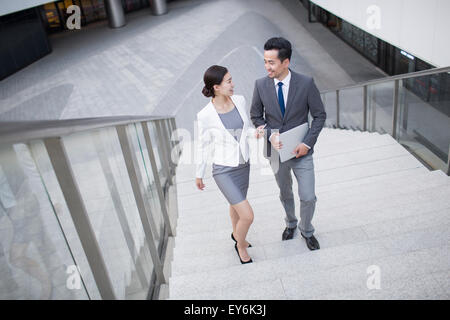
(155, 64)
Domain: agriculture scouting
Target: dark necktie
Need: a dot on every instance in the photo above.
(280, 97)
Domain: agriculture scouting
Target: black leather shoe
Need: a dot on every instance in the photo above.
(232, 237)
(312, 243)
(288, 233)
(243, 262)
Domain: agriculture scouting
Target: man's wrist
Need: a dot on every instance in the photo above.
(307, 146)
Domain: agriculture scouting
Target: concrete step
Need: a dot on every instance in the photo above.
(343, 134)
(422, 253)
(337, 132)
(365, 143)
(337, 196)
(359, 212)
(271, 208)
(267, 229)
(368, 192)
(322, 178)
(374, 166)
(267, 244)
(264, 204)
(320, 162)
(332, 186)
(339, 231)
(325, 146)
(346, 282)
(372, 179)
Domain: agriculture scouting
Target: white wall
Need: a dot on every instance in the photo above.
(9, 6)
(417, 26)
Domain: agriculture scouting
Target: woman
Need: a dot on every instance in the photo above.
(224, 126)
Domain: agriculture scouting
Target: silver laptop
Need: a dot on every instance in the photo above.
(291, 139)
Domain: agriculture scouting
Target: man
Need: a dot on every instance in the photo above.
(282, 101)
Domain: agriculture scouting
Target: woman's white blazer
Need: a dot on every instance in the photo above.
(214, 139)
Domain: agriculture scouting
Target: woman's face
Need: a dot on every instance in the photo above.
(226, 87)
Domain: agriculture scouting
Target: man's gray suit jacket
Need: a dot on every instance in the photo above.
(303, 97)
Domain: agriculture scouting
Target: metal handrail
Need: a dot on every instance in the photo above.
(395, 101)
(23, 131)
(392, 78)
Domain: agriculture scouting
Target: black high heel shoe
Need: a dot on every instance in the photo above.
(232, 237)
(243, 262)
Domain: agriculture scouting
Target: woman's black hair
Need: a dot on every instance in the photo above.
(213, 75)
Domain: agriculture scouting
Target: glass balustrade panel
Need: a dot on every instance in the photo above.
(424, 118)
(101, 174)
(36, 262)
(351, 106)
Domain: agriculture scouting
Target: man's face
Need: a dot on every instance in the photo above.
(273, 64)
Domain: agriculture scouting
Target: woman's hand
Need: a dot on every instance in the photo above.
(199, 183)
(260, 131)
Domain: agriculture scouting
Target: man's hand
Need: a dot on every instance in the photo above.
(199, 183)
(300, 150)
(275, 141)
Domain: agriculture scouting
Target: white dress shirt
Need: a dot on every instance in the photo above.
(286, 81)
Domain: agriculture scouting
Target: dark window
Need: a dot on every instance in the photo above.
(404, 62)
(371, 47)
(23, 41)
(358, 39)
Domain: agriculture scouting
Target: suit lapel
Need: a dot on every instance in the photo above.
(215, 116)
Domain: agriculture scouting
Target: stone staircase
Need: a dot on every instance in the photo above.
(380, 215)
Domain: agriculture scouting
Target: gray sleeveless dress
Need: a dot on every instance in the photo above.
(233, 181)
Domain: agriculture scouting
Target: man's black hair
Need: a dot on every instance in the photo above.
(282, 45)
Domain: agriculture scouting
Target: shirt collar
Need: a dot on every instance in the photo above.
(285, 81)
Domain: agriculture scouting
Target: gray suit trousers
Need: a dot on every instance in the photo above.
(303, 169)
